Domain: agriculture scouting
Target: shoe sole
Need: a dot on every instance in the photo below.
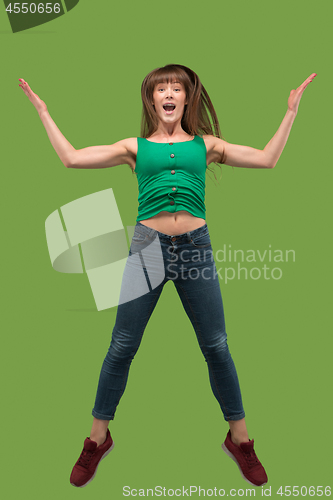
(228, 452)
(105, 454)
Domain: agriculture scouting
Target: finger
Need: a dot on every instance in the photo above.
(27, 89)
(311, 77)
(303, 86)
(24, 87)
(24, 83)
(28, 92)
(309, 80)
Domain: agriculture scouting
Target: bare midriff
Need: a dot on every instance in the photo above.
(173, 224)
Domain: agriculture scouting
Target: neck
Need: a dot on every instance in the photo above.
(169, 131)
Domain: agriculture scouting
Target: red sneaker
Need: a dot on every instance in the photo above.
(85, 468)
(248, 463)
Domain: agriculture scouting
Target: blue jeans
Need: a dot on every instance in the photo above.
(187, 260)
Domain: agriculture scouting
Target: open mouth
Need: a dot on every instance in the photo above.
(169, 108)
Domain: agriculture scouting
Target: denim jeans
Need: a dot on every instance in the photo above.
(187, 260)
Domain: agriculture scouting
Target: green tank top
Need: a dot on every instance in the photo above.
(171, 177)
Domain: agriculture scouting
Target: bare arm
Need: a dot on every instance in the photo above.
(92, 157)
(247, 157)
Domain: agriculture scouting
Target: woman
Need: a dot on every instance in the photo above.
(170, 160)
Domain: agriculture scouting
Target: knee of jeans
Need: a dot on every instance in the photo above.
(121, 350)
(218, 345)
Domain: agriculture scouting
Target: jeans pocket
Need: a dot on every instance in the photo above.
(201, 241)
(138, 237)
(138, 242)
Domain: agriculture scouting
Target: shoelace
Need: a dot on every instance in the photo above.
(251, 458)
(85, 458)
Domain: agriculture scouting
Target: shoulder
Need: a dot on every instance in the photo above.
(216, 148)
(125, 151)
(130, 145)
(211, 141)
(214, 143)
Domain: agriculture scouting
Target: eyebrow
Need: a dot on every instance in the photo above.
(173, 83)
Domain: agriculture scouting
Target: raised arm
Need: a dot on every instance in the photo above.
(122, 152)
(247, 157)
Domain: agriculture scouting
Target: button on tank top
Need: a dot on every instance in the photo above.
(171, 177)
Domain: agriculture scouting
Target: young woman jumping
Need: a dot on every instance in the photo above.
(180, 138)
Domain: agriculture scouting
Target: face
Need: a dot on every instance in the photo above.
(169, 100)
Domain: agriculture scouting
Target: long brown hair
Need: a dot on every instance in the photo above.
(199, 114)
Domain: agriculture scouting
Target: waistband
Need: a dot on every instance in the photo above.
(142, 229)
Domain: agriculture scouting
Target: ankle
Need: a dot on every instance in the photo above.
(237, 439)
(98, 438)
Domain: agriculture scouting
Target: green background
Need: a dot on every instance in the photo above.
(88, 66)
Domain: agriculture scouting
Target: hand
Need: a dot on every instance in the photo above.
(36, 101)
(295, 95)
